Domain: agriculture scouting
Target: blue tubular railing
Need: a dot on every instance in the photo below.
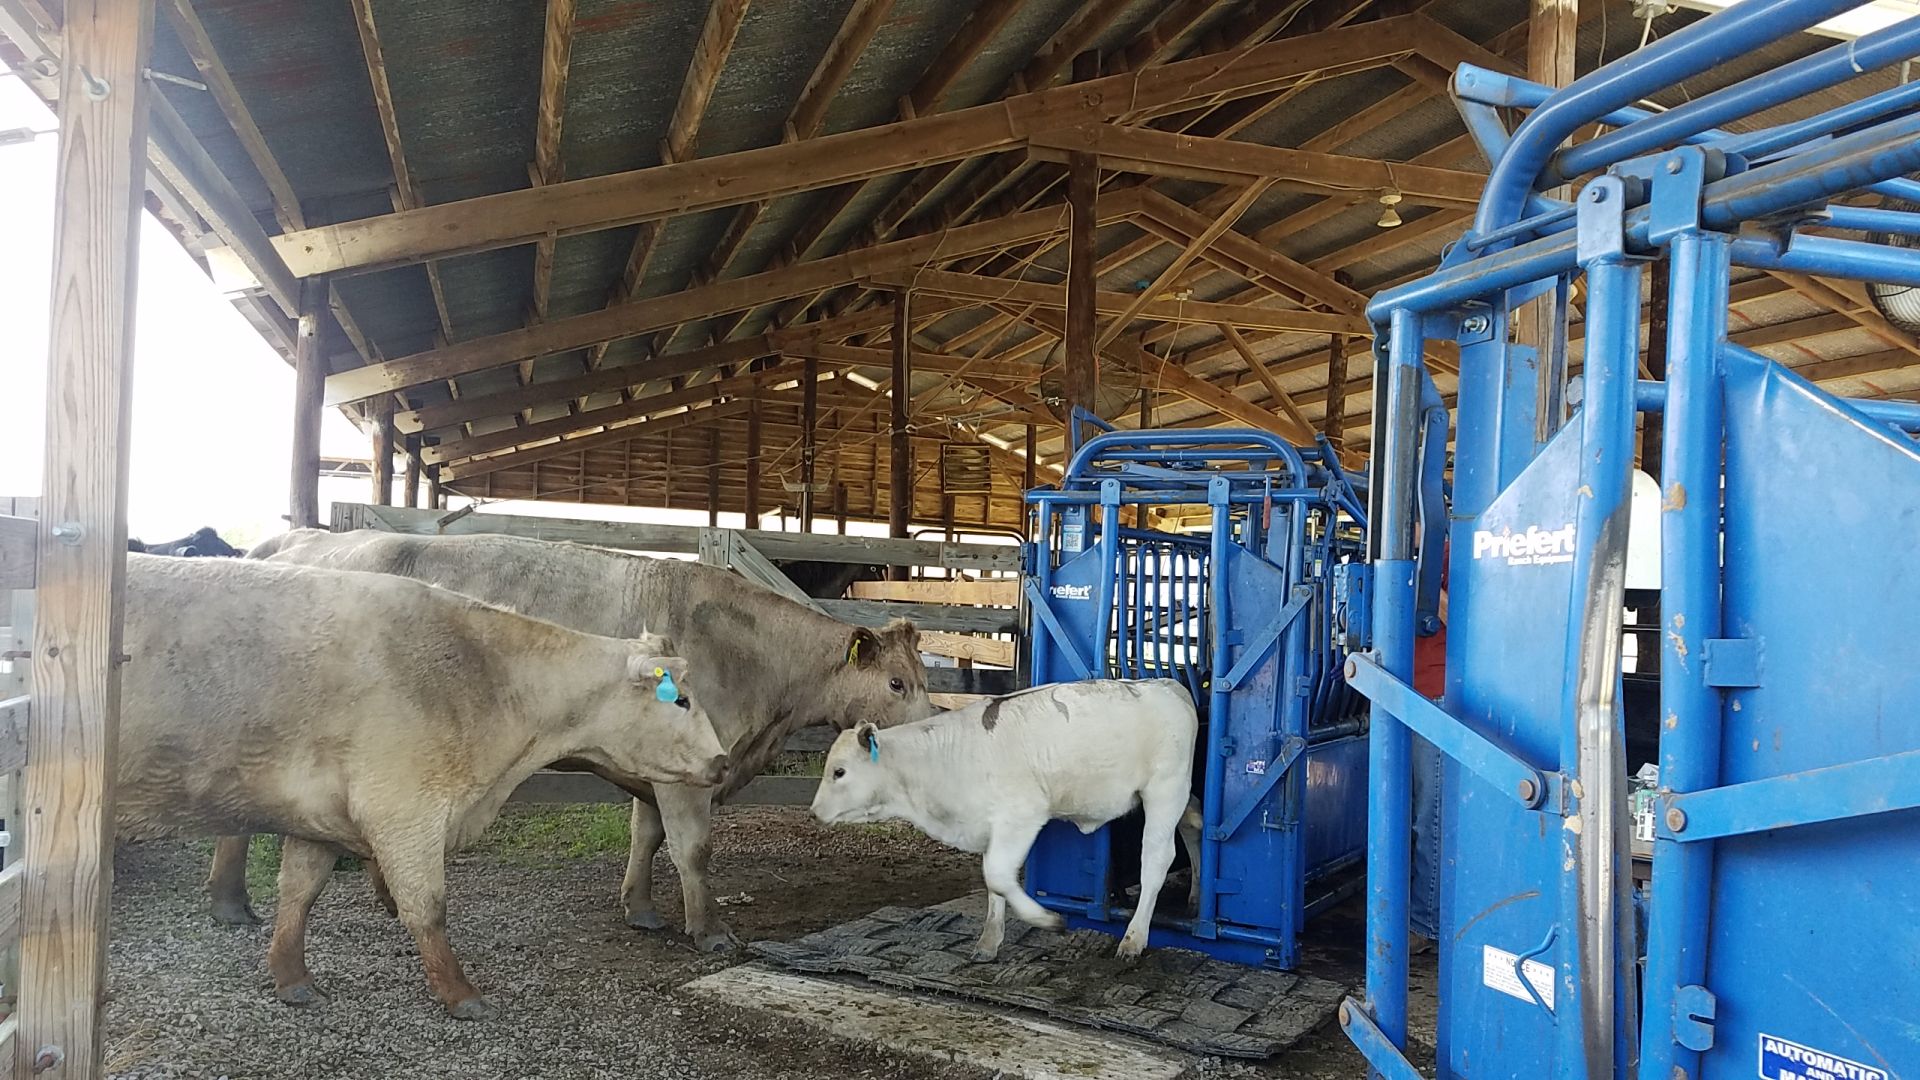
(1697, 48)
(1675, 185)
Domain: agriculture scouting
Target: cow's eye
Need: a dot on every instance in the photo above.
(682, 702)
(839, 774)
(897, 685)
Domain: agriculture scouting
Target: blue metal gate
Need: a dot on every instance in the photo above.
(1244, 614)
(1784, 908)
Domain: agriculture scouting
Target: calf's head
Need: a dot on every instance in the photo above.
(651, 729)
(879, 678)
(857, 786)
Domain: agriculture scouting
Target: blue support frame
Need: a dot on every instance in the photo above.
(1786, 861)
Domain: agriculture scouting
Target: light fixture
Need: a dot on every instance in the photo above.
(1389, 217)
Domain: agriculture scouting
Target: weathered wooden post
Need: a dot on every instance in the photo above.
(1081, 377)
(753, 460)
(80, 575)
(809, 421)
(900, 478)
(383, 451)
(309, 388)
(713, 477)
(410, 493)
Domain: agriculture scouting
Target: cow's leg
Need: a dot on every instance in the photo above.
(636, 888)
(380, 891)
(416, 873)
(304, 870)
(227, 882)
(1190, 825)
(993, 931)
(1164, 809)
(687, 814)
(1006, 853)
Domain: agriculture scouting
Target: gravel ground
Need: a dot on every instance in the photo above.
(532, 914)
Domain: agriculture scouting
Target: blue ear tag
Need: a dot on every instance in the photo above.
(873, 747)
(666, 691)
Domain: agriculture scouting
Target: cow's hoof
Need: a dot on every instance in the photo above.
(985, 956)
(646, 920)
(301, 995)
(474, 1008)
(234, 915)
(1052, 920)
(716, 941)
(1130, 949)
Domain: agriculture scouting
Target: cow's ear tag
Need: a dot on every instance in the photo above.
(873, 748)
(666, 691)
(853, 651)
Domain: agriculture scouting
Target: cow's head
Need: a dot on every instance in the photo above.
(205, 542)
(877, 678)
(857, 786)
(650, 728)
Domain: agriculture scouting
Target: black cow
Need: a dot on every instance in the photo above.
(828, 580)
(201, 542)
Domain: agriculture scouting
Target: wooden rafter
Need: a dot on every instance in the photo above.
(556, 59)
(193, 37)
(732, 179)
(1200, 242)
(1183, 312)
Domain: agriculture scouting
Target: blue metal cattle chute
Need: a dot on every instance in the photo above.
(1783, 913)
(1245, 613)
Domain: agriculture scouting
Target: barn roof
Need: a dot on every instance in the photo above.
(608, 343)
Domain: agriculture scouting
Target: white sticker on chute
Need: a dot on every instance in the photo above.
(1497, 971)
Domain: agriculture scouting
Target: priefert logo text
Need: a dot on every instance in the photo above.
(1534, 547)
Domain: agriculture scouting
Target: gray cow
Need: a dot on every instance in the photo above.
(373, 715)
(776, 666)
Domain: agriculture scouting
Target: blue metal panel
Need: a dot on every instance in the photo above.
(1244, 615)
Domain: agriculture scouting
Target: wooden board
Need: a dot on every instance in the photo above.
(1003, 592)
(962, 647)
(19, 540)
(956, 617)
(982, 681)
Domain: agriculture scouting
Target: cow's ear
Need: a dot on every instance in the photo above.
(903, 631)
(866, 735)
(642, 668)
(863, 648)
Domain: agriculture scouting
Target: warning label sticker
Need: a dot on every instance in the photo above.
(1783, 1060)
(1498, 970)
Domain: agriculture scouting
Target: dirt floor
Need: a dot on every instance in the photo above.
(533, 914)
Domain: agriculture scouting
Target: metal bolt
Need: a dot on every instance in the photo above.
(69, 533)
(48, 1057)
(1474, 324)
(1346, 1015)
(1676, 819)
(93, 86)
(1527, 790)
(1673, 166)
(1353, 667)
(1598, 195)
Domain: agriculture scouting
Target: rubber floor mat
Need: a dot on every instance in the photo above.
(1184, 999)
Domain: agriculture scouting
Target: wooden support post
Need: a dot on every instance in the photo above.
(900, 479)
(840, 507)
(73, 721)
(410, 494)
(809, 448)
(753, 461)
(309, 384)
(1335, 423)
(1146, 421)
(1081, 378)
(713, 477)
(383, 451)
(1033, 456)
(436, 495)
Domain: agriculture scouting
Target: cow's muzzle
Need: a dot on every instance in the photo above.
(716, 772)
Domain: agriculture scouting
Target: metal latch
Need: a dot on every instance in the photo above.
(1694, 1008)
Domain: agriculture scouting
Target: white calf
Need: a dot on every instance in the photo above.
(987, 777)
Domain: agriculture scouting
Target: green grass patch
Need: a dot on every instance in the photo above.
(556, 832)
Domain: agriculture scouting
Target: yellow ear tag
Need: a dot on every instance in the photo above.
(853, 650)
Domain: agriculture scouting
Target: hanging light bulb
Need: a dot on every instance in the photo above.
(1389, 217)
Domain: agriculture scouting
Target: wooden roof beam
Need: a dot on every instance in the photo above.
(603, 202)
(1257, 257)
(556, 57)
(1183, 312)
(733, 294)
(193, 37)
